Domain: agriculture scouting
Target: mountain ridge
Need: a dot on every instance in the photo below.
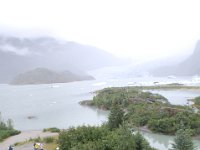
(189, 67)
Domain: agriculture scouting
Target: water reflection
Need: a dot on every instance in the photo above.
(164, 142)
(159, 141)
(177, 97)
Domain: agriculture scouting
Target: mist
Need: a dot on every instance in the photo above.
(104, 64)
(21, 54)
(141, 30)
(80, 37)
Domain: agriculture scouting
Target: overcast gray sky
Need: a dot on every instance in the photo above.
(127, 28)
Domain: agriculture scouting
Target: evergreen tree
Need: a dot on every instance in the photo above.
(183, 141)
(141, 143)
(115, 118)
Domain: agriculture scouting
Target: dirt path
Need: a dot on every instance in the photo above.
(25, 135)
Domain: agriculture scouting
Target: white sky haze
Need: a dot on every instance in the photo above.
(128, 28)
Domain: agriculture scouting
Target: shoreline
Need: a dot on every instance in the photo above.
(25, 136)
(32, 133)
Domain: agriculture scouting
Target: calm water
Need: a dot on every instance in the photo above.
(163, 142)
(57, 105)
(52, 105)
(177, 97)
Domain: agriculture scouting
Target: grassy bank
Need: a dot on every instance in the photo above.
(7, 129)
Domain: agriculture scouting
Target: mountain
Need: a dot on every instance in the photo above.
(19, 55)
(46, 76)
(189, 67)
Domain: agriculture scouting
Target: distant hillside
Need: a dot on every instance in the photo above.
(19, 55)
(46, 76)
(189, 67)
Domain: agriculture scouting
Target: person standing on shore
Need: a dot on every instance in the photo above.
(10, 148)
(34, 146)
(41, 146)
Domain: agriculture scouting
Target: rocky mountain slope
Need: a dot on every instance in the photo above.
(189, 67)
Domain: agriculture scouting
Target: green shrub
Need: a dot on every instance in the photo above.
(53, 130)
(48, 139)
(99, 138)
(7, 133)
(38, 139)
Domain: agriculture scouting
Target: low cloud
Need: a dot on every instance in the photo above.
(9, 48)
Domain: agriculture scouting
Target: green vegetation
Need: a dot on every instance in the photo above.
(149, 110)
(53, 130)
(124, 97)
(116, 117)
(50, 143)
(49, 139)
(183, 141)
(196, 102)
(6, 129)
(141, 143)
(163, 118)
(100, 138)
(110, 136)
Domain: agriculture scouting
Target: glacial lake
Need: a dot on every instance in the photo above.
(57, 105)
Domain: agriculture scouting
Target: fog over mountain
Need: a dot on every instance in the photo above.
(189, 67)
(18, 55)
(182, 64)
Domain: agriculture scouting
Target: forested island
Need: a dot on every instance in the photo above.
(149, 111)
(47, 76)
